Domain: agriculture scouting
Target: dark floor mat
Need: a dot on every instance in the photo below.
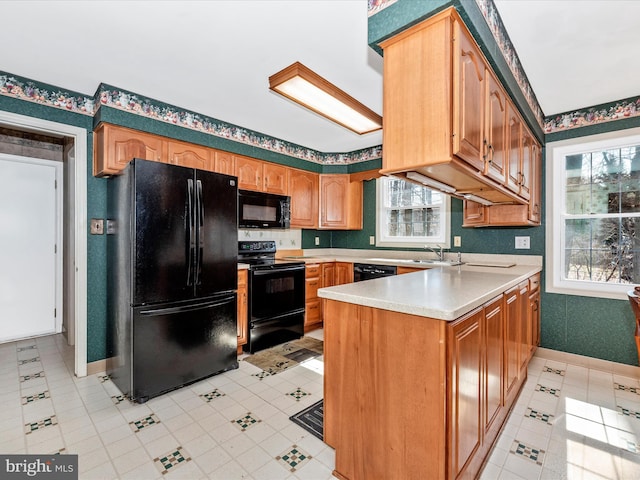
(311, 419)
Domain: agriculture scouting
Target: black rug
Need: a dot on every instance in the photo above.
(311, 419)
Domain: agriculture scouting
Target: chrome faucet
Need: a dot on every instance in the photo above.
(439, 253)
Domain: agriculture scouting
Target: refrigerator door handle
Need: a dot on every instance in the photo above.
(200, 220)
(187, 308)
(191, 238)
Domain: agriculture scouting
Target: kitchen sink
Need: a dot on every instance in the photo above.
(447, 263)
(434, 262)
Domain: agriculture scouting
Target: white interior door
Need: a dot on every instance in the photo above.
(29, 236)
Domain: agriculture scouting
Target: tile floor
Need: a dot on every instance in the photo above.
(569, 422)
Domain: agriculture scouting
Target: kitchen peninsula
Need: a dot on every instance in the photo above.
(421, 370)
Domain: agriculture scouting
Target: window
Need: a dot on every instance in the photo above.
(593, 245)
(410, 215)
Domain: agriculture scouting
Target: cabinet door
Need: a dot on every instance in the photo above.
(525, 328)
(514, 138)
(114, 147)
(494, 348)
(534, 321)
(275, 179)
(303, 189)
(512, 341)
(189, 155)
(464, 344)
(535, 197)
(340, 203)
(224, 162)
(526, 163)
(496, 125)
(333, 201)
(473, 214)
(249, 173)
(344, 273)
(328, 274)
(242, 308)
(468, 99)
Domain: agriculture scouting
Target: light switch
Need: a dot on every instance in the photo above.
(372, 240)
(317, 240)
(457, 241)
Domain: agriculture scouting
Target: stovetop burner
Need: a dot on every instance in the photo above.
(262, 254)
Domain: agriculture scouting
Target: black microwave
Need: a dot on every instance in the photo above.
(263, 210)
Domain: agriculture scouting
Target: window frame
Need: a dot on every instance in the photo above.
(555, 210)
(444, 240)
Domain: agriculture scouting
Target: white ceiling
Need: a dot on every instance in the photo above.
(214, 56)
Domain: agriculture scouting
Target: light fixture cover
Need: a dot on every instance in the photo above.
(305, 87)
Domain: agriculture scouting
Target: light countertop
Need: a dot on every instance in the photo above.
(444, 293)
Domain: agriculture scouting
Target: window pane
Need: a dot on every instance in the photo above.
(578, 183)
(602, 250)
(411, 212)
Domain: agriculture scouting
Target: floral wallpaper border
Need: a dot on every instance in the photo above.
(620, 110)
(492, 17)
(32, 91)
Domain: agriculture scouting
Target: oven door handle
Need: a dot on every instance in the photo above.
(272, 270)
(263, 322)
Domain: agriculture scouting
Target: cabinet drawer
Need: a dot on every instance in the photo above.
(313, 311)
(311, 290)
(534, 282)
(312, 271)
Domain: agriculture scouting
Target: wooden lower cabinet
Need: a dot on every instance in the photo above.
(465, 372)
(243, 309)
(456, 373)
(313, 304)
(343, 273)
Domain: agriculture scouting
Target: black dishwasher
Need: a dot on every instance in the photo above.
(367, 271)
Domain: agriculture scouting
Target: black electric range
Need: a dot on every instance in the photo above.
(276, 295)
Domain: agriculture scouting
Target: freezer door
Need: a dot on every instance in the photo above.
(178, 344)
(217, 219)
(164, 233)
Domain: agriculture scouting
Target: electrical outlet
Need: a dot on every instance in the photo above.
(523, 242)
(317, 240)
(457, 241)
(372, 240)
(97, 226)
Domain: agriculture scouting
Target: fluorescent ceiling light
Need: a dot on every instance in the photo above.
(430, 182)
(305, 87)
(475, 198)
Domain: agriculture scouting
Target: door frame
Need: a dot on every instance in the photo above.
(59, 235)
(78, 163)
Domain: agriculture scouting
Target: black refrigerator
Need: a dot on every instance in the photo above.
(172, 275)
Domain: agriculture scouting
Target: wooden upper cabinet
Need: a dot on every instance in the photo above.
(535, 199)
(468, 99)
(474, 214)
(114, 147)
(340, 203)
(189, 155)
(224, 162)
(494, 147)
(526, 163)
(303, 189)
(249, 172)
(514, 142)
(275, 179)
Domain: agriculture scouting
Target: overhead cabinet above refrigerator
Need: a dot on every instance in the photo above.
(172, 275)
